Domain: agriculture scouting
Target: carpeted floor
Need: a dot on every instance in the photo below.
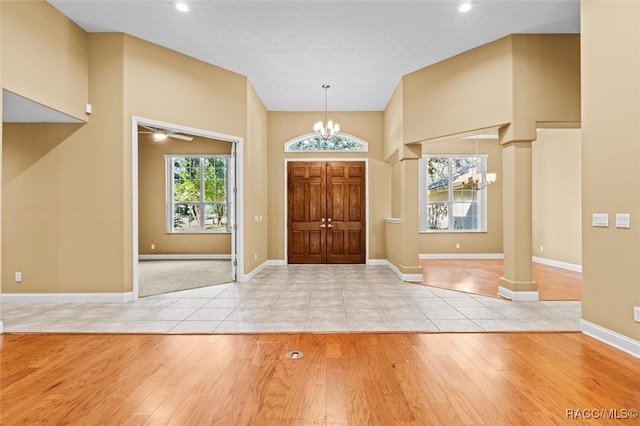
(166, 276)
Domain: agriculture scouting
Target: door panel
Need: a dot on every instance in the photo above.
(326, 212)
(346, 212)
(306, 206)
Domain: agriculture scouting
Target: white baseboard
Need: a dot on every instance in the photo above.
(462, 256)
(66, 297)
(256, 271)
(184, 257)
(403, 277)
(1, 327)
(557, 264)
(377, 262)
(611, 338)
(518, 296)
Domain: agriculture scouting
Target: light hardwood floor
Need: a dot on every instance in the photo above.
(342, 379)
(481, 276)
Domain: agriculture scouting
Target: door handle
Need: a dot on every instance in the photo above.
(322, 225)
(329, 225)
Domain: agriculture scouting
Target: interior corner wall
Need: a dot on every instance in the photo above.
(557, 195)
(610, 151)
(164, 85)
(62, 192)
(546, 81)
(167, 86)
(45, 57)
(368, 126)
(257, 187)
(152, 196)
(451, 97)
(393, 123)
(470, 242)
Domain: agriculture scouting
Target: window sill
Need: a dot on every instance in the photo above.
(461, 231)
(198, 233)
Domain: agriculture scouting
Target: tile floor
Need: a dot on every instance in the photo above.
(304, 298)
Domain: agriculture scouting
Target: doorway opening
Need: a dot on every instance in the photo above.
(194, 227)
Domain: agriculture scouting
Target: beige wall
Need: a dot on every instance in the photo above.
(394, 123)
(257, 183)
(183, 91)
(546, 81)
(45, 57)
(62, 192)
(368, 126)
(453, 96)
(152, 195)
(84, 174)
(470, 242)
(517, 80)
(557, 195)
(610, 152)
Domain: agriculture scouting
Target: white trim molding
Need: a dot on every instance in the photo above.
(611, 338)
(1, 327)
(461, 256)
(403, 277)
(184, 257)
(518, 296)
(557, 264)
(256, 271)
(377, 262)
(67, 297)
(392, 220)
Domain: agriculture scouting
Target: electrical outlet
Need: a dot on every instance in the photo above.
(457, 245)
(18, 277)
(636, 313)
(255, 256)
(153, 246)
(541, 249)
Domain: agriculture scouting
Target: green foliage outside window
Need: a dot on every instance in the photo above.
(200, 188)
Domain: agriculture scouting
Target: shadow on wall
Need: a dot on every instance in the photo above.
(27, 143)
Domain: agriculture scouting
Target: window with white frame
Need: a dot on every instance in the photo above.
(197, 193)
(446, 204)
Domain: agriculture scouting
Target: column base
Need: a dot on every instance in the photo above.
(518, 291)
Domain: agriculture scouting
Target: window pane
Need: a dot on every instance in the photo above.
(438, 215)
(215, 217)
(448, 204)
(465, 215)
(186, 217)
(186, 179)
(215, 179)
(438, 175)
(194, 178)
(464, 194)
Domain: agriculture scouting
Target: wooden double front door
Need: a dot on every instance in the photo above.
(326, 212)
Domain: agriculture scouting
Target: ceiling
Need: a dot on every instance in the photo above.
(288, 49)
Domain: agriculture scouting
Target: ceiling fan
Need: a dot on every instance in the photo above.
(160, 135)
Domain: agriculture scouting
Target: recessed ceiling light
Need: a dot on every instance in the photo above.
(465, 7)
(182, 7)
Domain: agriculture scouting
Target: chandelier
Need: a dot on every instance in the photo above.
(331, 130)
(476, 177)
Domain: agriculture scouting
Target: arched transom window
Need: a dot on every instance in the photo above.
(312, 143)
